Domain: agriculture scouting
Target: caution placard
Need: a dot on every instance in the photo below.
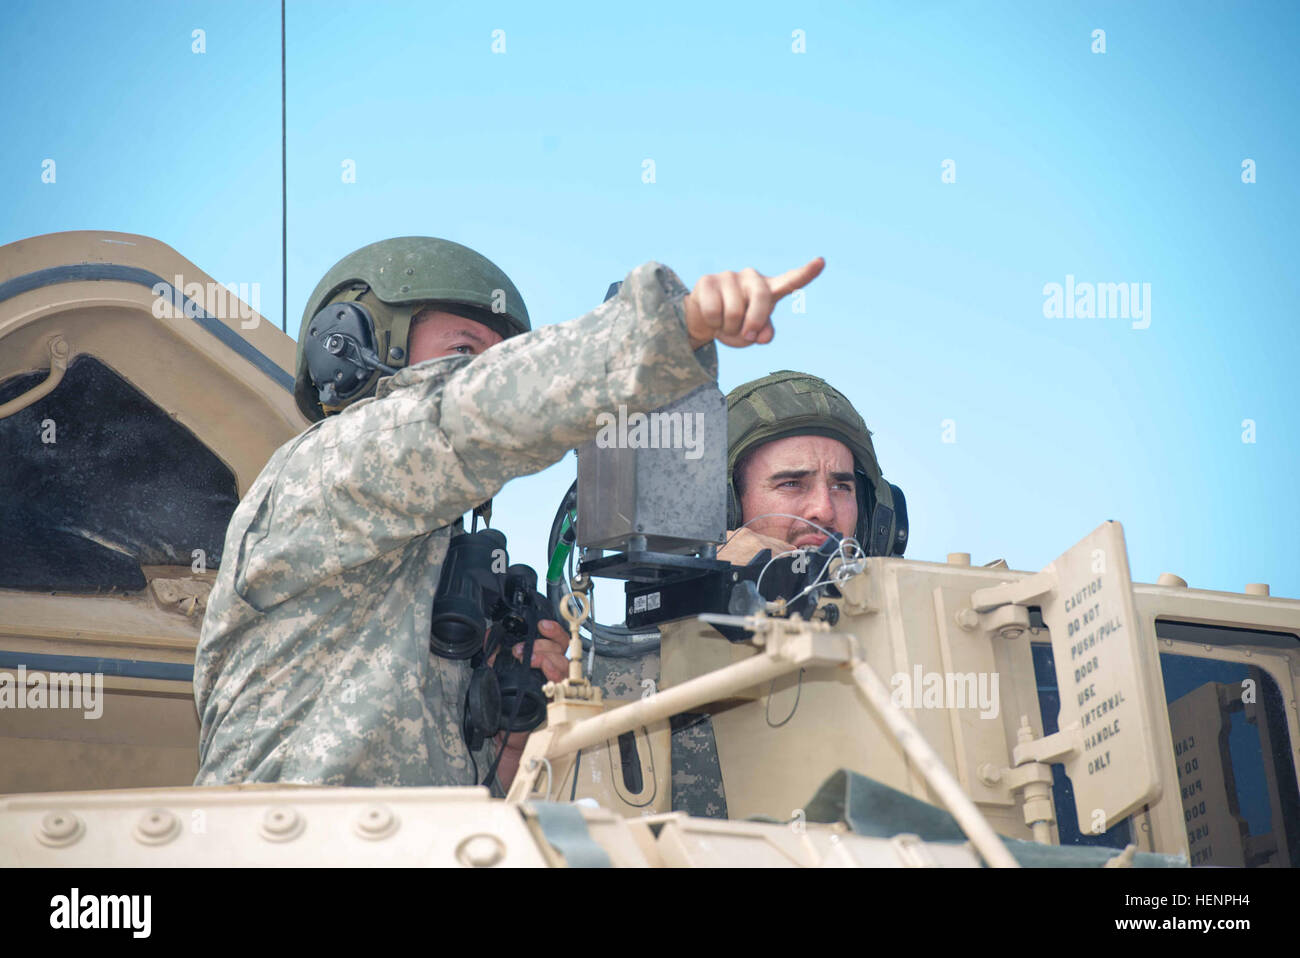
(1103, 665)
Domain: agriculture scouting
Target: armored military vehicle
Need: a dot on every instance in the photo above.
(848, 709)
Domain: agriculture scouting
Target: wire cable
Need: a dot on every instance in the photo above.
(846, 568)
(614, 641)
(767, 709)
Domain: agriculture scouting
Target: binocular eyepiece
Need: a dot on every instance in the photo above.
(468, 591)
(479, 590)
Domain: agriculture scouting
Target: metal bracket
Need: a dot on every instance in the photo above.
(58, 366)
(1022, 592)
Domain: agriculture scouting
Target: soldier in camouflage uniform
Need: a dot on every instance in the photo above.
(314, 663)
(795, 445)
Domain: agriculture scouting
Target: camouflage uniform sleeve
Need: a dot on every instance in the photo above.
(445, 435)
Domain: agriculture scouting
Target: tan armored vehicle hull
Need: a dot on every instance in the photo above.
(1061, 707)
(137, 337)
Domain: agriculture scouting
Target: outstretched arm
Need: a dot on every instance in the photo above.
(444, 435)
(453, 431)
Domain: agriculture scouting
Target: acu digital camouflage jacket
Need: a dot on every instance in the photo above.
(314, 665)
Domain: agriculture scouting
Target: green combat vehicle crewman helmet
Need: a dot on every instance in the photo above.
(358, 319)
(788, 404)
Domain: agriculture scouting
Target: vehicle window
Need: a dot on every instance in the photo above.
(1237, 780)
(98, 481)
(1236, 774)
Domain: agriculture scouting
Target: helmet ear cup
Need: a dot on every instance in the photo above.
(899, 543)
(340, 341)
(881, 531)
(877, 520)
(866, 502)
(733, 506)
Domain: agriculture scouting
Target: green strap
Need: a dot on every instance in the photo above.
(399, 335)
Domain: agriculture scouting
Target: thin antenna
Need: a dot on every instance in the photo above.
(284, 191)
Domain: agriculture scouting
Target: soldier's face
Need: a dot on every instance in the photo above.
(806, 476)
(435, 333)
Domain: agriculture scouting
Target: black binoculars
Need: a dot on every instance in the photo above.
(478, 594)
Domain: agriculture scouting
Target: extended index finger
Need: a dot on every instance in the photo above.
(788, 282)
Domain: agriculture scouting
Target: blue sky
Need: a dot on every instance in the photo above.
(1123, 166)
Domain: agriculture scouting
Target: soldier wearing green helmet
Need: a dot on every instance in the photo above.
(428, 391)
(396, 281)
(800, 465)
